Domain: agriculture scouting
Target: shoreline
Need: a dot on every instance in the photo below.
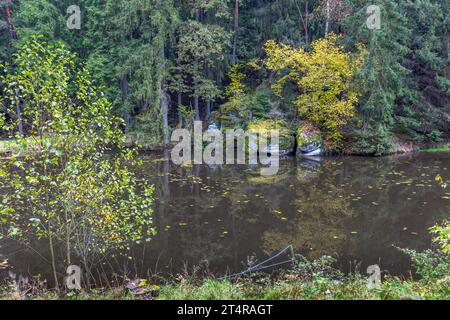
(291, 286)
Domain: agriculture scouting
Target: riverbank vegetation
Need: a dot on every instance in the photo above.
(136, 70)
(64, 186)
(233, 62)
(305, 280)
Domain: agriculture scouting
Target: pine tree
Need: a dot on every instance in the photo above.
(382, 80)
(128, 53)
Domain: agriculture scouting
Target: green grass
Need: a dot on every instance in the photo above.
(9, 146)
(436, 150)
(319, 288)
(306, 280)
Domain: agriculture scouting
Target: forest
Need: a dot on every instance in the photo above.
(94, 206)
(162, 63)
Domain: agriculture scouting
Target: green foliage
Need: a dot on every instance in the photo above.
(241, 109)
(165, 51)
(373, 142)
(209, 290)
(430, 265)
(126, 54)
(322, 267)
(69, 187)
(201, 52)
(306, 280)
(399, 80)
(442, 236)
(38, 17)
(189, 116)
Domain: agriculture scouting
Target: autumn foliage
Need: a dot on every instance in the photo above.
(324, 77)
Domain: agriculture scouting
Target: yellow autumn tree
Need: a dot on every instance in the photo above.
(324, 77)
(236, 87)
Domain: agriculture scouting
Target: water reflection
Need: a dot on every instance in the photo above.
(353, 208)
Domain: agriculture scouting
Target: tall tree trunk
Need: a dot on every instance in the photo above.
(52, 257)
(18, 113)
(125, 90)
(208, 110)
(328, 13)
(19, 116)
(446, 42)
(12, 33)
(236, 31)
(12, 36)
(197, 109)
(304, 19)
(306, 25)
(180, 115)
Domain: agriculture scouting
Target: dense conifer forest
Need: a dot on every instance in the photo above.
(162, 62)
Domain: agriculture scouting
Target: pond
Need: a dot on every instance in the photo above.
(218, 218)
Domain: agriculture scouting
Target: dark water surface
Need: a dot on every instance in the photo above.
(355, 209)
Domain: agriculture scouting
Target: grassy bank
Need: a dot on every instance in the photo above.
(435, 150)
(353, 288)
(28, 146)
(316, 280)
(8, 147)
